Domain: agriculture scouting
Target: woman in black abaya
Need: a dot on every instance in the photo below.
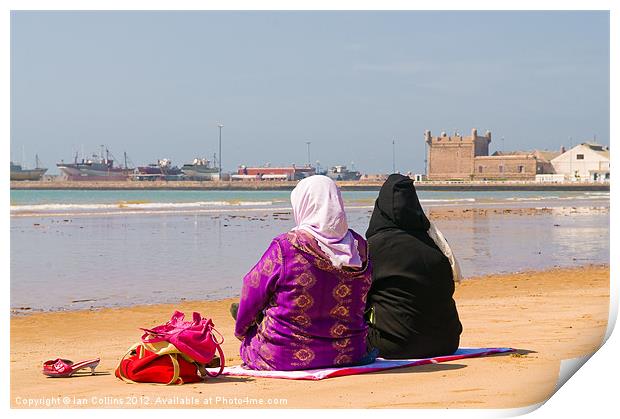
(411, 312)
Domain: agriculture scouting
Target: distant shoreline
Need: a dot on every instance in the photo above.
(286, 186)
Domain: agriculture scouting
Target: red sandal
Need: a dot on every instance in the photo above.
(65, 368)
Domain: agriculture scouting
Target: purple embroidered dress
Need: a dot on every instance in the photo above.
(313, 313)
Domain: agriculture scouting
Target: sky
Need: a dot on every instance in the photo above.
(156, 84)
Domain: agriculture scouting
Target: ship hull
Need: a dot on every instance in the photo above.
(86, 174)
(201, 174)
(156, 173)
(33, 174)
(344, 176)
(148, 170)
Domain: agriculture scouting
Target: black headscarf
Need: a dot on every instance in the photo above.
(398, 206)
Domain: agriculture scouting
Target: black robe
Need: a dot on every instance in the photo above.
(411, 310)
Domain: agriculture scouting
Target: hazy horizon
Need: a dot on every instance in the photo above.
(156, 84)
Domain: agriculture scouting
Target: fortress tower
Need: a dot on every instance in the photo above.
(453, 157)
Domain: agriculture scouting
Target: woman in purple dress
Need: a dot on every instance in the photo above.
(302, 305)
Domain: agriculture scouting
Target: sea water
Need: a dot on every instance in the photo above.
(82, 249)
(28, 202)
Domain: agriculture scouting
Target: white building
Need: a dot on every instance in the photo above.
(585, 162)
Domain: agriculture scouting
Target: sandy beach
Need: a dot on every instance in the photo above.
(547, 316)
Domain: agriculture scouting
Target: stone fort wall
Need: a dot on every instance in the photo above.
(457, 157)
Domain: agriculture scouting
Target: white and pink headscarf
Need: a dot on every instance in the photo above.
(319, 210)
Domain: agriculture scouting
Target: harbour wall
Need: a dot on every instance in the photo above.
(286, 185)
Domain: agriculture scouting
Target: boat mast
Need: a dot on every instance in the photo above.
(125, 155)
(36, 159)
(219, 157)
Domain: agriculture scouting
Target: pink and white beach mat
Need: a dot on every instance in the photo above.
(379, 365)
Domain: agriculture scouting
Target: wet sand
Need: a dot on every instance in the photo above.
(123, 260)
(548, 316)
(459, 213)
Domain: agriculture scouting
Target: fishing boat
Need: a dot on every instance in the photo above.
(98, 167)
(267, 172)
(18, 172)
(201, 169)
(162, 170)
(342, 173)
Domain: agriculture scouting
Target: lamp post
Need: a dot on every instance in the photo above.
(570, 159)
(220, 126)
(393, 156)
(426, 157)
(308, 144)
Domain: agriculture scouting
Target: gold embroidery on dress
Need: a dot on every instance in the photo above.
(341, 344)
(300, 337)
(302, 319)
(304, 301)
(300, 259)
(300, 352)
(343, 359)
(305, 279)
(267, 268)
(265, 352)
(278, 257)
(324, 265)
(254, 279)
(342, 291)
(338, 330)
(304, 355)
(340, 311)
